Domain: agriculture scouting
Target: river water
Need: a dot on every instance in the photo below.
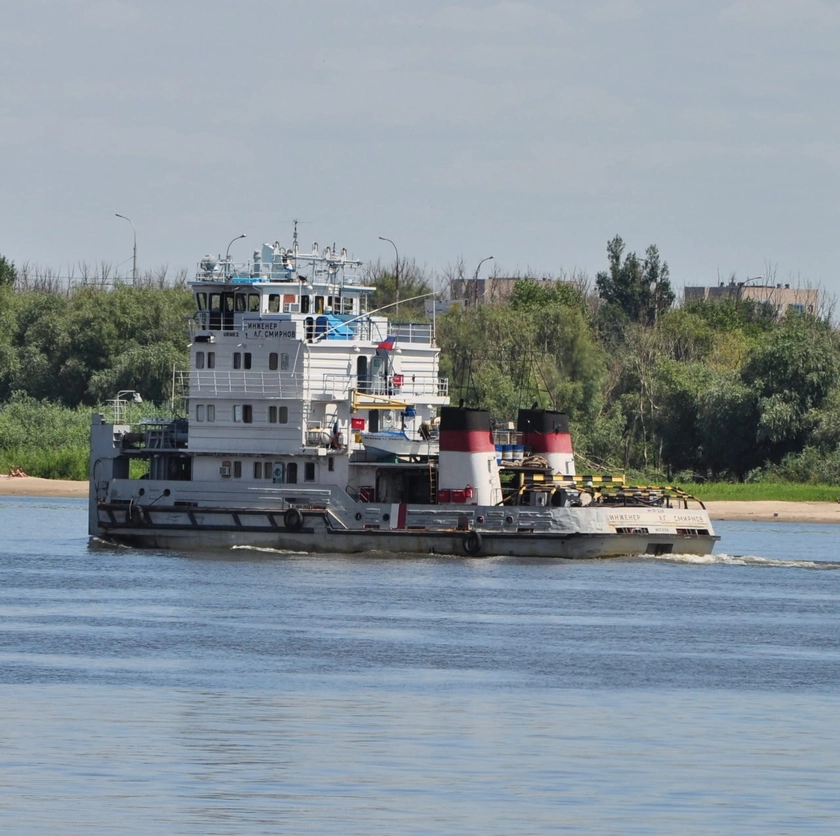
(244, 692)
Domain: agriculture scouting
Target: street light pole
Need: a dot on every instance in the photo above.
(227, 253)
(396, 274)
(134, 257)
(475, 278)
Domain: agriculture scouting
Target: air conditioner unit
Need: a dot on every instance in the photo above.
(291, 308)
(224, 472)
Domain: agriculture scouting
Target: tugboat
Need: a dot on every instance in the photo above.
(315, 425)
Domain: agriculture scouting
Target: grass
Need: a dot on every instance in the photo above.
(756, 491)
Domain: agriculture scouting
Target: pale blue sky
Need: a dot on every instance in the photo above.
(530, 131)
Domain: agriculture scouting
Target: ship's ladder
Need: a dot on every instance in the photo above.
(433, 481)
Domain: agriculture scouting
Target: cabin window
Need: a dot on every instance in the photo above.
(304, 304)
(211, 359)
(330, 464)
(211, 412)
(278, 472)
(309, 472)
(272, 361)
(199, 359)
(258, 470)
(291, 473)
(242, 360)
(346, 305)
(237, 470)
(284, 362)
(267, 470)
(278, 415)
(237, 413)
(274, 303)
(319, 304)
(201, 301)
(247, 413)
(253, 303)
(199, 412)
(241, 303)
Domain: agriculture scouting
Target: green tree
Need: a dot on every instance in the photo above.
(8, 274)
(641, 289)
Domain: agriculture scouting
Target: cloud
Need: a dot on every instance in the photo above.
(614, 11)
(776, 14)
(506, 18)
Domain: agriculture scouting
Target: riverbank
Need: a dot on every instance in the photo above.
(760, 510)
(33, 486)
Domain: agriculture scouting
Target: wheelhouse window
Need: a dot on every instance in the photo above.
(274, 303)
(309, 472)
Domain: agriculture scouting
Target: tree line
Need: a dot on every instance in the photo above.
(721, 389)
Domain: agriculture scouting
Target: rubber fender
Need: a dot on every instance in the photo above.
(472, 542)
(293, 519)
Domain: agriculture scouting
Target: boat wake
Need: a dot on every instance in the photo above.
(743, 560)
(268, 550)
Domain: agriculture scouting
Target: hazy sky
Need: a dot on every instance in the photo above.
(531, 131)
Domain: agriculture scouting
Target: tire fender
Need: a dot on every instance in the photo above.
(293, 519)
(473, 542)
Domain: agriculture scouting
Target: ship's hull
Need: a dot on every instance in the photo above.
(654, 531)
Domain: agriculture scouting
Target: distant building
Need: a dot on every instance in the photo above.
(489, 290)
(780, 299)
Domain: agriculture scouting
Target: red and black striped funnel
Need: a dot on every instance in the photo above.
(546, 433)
(467, 467)
(465, 430)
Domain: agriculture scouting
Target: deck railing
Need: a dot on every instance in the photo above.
(214, 382)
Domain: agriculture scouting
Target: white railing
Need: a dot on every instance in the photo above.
(212, 382)
(220, 382)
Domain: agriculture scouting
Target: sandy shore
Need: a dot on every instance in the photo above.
(32, 486)
(815, 512)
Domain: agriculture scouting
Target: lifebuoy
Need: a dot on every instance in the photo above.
(293, 519)
(472, 542)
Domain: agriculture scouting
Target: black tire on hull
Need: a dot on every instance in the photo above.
(293, 519)
(472, 542)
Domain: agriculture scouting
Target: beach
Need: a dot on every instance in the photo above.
(33, 486)
(761, 511)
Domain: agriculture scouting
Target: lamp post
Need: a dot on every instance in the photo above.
(227, 253)
(120, 404)
(134, 257)
(475, 278)
(396, 274)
